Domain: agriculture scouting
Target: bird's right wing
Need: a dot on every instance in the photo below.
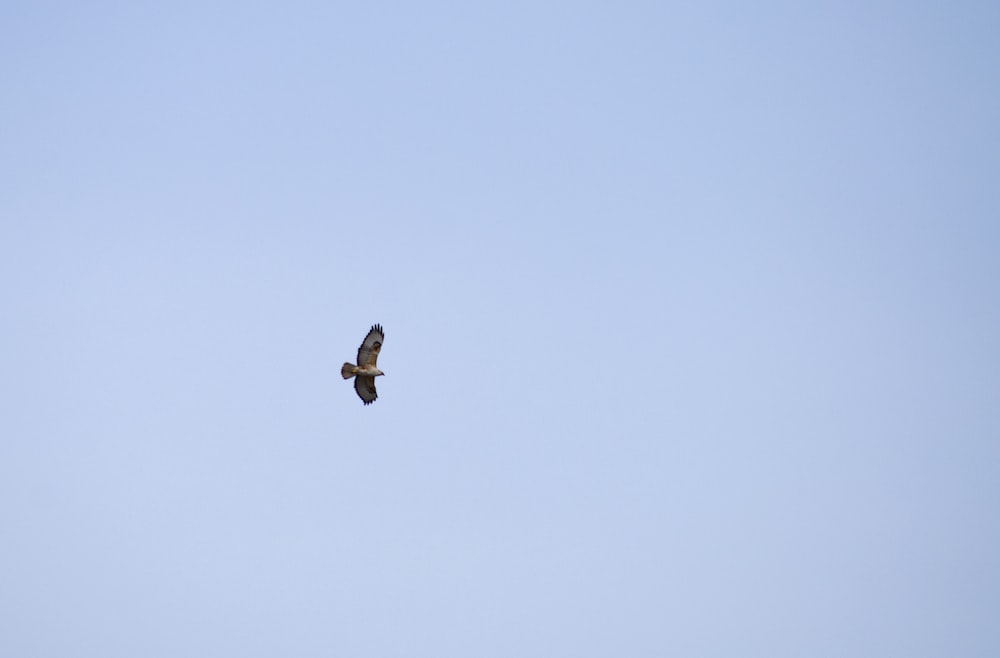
(371, 346)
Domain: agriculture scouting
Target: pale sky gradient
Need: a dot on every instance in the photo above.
(692, 319)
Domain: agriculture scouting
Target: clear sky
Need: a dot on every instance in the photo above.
(691, 311)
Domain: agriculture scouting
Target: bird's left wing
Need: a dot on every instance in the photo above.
(365, 386)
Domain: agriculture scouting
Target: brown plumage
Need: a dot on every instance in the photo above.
(366, 371)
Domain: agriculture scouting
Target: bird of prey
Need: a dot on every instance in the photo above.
(365, 372)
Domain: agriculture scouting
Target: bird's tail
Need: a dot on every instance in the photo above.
(348, 370)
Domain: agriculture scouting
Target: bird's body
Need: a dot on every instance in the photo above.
(365, 372)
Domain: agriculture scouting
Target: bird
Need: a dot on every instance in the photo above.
(365, 372)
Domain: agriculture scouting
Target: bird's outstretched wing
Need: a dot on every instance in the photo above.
(365, 386)
(370, 347)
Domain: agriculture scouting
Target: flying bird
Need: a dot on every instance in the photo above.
(365, 372)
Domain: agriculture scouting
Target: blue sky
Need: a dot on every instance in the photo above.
(691, 319)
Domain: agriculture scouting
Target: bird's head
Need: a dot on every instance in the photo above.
(378, 372)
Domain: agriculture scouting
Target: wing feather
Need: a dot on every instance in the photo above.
(365, 386)
(370, 347)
